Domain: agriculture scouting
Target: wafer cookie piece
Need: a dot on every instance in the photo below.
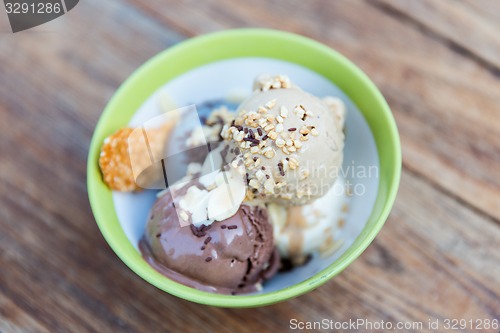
(114, 162)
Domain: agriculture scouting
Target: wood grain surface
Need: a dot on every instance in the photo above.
(437, 257)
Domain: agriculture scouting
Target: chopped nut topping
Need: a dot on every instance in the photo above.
(269, 186)
(293, 163)
(248, 161)
(262, 109)
(284, 163)
(239, 137)
(269, 154)
(304, 173)
(269, 127)
(273, 82)
(271, 104)
(283, 111)
(254, 183)
(260, 175)
(280, 143)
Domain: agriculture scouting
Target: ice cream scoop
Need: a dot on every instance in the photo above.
(230, 256)
(289, 141)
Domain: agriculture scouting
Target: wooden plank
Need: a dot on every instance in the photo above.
(452, 21)
(443, 101)
(15, 319)
(487, 8)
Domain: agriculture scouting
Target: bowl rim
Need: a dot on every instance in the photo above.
(245, 43)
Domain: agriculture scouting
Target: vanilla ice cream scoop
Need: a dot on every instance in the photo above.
(289, 141)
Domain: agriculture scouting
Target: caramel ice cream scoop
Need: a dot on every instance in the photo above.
(290, 141)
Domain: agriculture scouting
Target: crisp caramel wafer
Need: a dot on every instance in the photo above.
(127, 146)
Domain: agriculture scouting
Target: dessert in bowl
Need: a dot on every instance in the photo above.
(281, 177)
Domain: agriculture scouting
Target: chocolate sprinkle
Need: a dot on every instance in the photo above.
(197, 231)
(232, 123)
(259, 131)
(158, 235)
(280, 167)
(250, 134)
(207, 259)
(207, 240)
(231, 227)
(223, 226)
(265, 137)
(251, 140)
(263, 168)
(291, 129)
(239, 127)
(245, 130)
(203, 247)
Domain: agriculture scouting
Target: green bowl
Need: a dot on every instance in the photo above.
(202, 50)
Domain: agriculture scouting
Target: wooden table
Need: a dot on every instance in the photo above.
(438, 257)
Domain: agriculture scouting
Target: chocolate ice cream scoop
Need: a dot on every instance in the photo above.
(230, 256)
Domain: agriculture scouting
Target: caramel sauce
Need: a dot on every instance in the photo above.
(294, 226)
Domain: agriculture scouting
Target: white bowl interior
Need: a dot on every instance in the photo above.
(233, 79)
